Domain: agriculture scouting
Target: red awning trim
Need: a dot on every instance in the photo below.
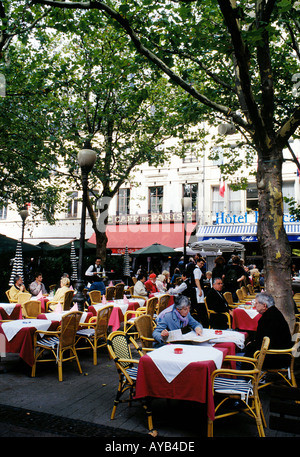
(141, 235)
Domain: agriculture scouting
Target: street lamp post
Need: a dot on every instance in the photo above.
(86, 159)
(186, 203)
(24, 214)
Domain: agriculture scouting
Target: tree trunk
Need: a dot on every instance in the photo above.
(271, 234)
(101, 241)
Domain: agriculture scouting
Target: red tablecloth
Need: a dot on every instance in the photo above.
(116, 317)
(43, 301)
(242, 321)
(15, 314)
(22, 342)
(193, 383)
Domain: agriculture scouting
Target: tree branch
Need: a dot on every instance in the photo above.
(149, 55)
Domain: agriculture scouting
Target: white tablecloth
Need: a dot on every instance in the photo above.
(8, 307)
(171, 364)
(227, 336)
(252, 313)
(57, 316)
(10, 329)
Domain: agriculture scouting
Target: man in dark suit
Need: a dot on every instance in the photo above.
(216, 302)
(272, 324)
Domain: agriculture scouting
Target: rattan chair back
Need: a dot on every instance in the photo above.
(32, 308)
(23, 297)
(228, 298)
(67, 301)
(151, 306)
(95, 296)
(119, 291)
(103, 316)
(69, 326)
(145, 327)
(110, 292)
(163, 302)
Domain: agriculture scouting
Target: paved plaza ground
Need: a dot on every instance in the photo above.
(80, 407)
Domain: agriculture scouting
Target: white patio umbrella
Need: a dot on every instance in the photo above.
(18, 267)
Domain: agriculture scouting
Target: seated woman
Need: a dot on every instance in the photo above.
(16, 288)
(139, 288)
(37, 286)
(60, 293)
(173, 318)
(160, 283)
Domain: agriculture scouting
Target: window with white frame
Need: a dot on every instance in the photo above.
(72, 205)
(123, 201)
(235, 201)
(3, 212)
(288, 190)
(252, 197)
(217, 201)
(156, 195)
(191, 190)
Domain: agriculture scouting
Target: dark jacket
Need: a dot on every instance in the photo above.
(216, 302)
(272, 324)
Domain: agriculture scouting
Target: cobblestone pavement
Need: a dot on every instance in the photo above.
(80, 407)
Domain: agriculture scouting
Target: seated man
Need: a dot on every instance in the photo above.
(272, 324)
(16, 288)
(216, 302)
(139, 287)
(173, 318)
(97, 284)
(150, 284)
(37, 286)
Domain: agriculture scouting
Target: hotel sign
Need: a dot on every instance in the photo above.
(223, 218)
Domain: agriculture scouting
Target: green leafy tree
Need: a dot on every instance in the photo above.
(238, 60)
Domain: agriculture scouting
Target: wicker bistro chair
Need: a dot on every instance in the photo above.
(210, 312)
(246, 294)
(240, 296)
(8, 297)
(110, 292)
(163, 302)
(66, 303)
(94, 333)
(240, 385)
(145, 326)
(57, 342)
(229, 299)
(119, 291)
(286, 372)
(130, 316)
(120, 347)
(95, 297)
(32, 308)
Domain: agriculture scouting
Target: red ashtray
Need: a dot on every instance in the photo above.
(178, 351)
(218, 332)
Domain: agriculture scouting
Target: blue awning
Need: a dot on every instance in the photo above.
(245, 233)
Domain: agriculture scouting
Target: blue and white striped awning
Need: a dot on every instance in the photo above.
(244, 233)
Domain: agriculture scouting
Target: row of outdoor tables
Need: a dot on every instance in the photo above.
(16, 336)
(119, 309)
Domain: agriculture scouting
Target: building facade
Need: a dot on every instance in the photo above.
(150, 209)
